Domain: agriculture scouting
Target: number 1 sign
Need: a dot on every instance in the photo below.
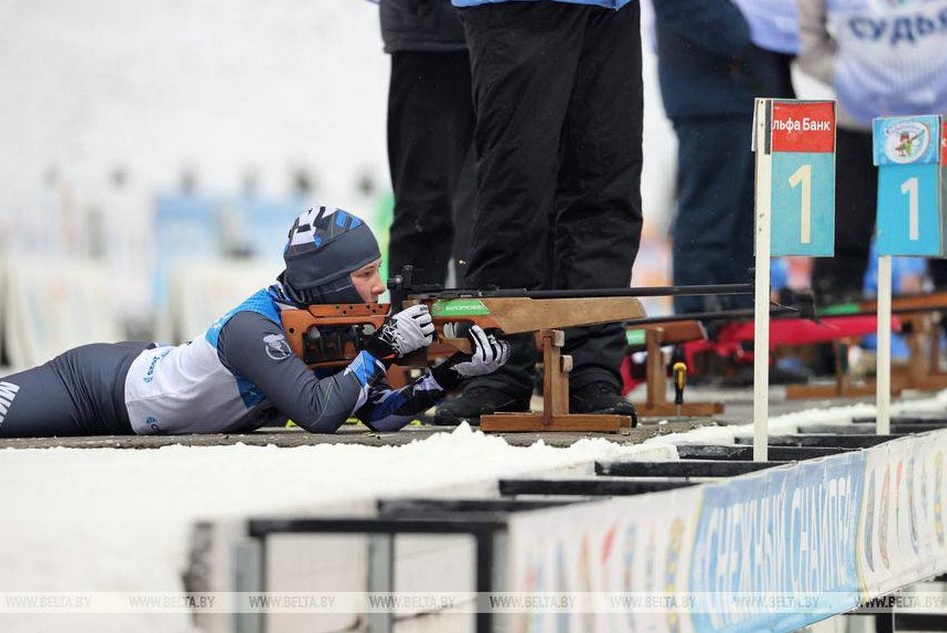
(794, 143)
(911, 205)
(802, 146)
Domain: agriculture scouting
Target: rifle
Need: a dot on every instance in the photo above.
(913, 315)
(900, 304)
(327, 335)
(332, 335)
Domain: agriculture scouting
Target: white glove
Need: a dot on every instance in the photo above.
(405, 332)
(488, 354)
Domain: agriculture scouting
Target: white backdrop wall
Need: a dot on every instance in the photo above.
(224, 89)
(220, 86)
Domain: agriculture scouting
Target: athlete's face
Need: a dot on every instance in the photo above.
(368, 283)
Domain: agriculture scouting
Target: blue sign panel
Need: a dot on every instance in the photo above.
(803, 204)
(910, 202)
(910, 221)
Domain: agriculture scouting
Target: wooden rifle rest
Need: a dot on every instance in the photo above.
(670, 333)
(922, 371)
(555, 415)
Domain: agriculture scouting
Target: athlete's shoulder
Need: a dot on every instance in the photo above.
(260, 303)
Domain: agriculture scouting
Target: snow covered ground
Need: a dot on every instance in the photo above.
(99, 520)
(114, 520)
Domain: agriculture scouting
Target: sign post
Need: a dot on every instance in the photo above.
(794, 141)
(911, 156)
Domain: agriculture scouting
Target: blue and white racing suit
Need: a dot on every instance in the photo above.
(238, 376)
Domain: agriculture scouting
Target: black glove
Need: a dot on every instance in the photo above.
(405, 332)
(488, 353)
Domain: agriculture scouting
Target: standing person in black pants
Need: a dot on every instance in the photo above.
(558, 99)
(430, 131)
(710, 69)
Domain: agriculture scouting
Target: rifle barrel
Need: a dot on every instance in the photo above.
(720, 315)
(640, 291)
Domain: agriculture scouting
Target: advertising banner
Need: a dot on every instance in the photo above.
(774, 550)
(784, 537)
(614, 566)
(901, 529)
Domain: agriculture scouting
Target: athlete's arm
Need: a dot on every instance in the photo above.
(389, 410)
(255, 349)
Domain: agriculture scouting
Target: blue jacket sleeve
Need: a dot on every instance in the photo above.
(390, 409)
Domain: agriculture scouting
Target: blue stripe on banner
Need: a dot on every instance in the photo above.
(789, 532)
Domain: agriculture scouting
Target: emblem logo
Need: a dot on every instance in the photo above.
(277, 347)
(459, 307)
(906, 141)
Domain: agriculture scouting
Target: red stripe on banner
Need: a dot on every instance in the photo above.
(943, 143)
(806, 126)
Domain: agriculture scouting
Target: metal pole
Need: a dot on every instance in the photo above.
(249, 576)
(883, 359)
(764, 188)
(484, 580)
(381, 575)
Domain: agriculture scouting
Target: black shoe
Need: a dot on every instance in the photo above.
(601, 397)
(474, 402)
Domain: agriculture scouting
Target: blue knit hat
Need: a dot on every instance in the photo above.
(325, 247)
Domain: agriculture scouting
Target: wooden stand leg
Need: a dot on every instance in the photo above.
(656, 378)
(840, 388)
(555, 415)
(923, 372)
(654, 369)
(843, 387)
(933, 346)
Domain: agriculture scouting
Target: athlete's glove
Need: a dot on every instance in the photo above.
(487, 354)
(405, 332)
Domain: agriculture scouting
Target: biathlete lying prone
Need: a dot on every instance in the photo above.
(241, 374)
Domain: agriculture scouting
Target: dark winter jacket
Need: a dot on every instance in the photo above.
(420, 25)
(707, 64)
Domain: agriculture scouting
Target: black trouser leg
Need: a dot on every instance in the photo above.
(524, 57)
(557, 92)
(465, 208)
(712, 241)
(80, 392)
(598, 201)
(430, 125)
(523, 60)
